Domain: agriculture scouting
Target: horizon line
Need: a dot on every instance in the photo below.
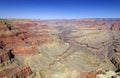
(57, 18)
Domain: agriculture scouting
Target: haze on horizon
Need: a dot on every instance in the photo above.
(59, 9)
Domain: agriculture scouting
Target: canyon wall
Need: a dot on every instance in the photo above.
(79, 48)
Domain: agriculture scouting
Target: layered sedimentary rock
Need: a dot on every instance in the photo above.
(5, 57)
(75, 48)
(16, 72)
(9, 64)
(114, 53)
(23, 72)
(116, 26)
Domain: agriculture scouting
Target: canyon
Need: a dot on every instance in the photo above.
(74, 48)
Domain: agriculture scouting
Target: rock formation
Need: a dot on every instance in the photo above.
(116, 26)
(78, 48)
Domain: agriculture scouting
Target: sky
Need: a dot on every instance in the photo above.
(59, 9)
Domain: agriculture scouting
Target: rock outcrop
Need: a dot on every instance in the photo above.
(16, 72)
(116, 26)
(5, 57)
(108, 74)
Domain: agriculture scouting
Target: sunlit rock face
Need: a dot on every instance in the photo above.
(78, 48)
(116, 26)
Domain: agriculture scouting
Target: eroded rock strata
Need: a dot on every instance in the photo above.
(78, 48)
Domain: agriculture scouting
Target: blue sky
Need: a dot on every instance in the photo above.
(59, 9)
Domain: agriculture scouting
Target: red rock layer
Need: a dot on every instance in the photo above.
(22, 73)
(15, 38)
(87, 75)
(16, 72)
(5, 57)
(25, 50)
(116, 26)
